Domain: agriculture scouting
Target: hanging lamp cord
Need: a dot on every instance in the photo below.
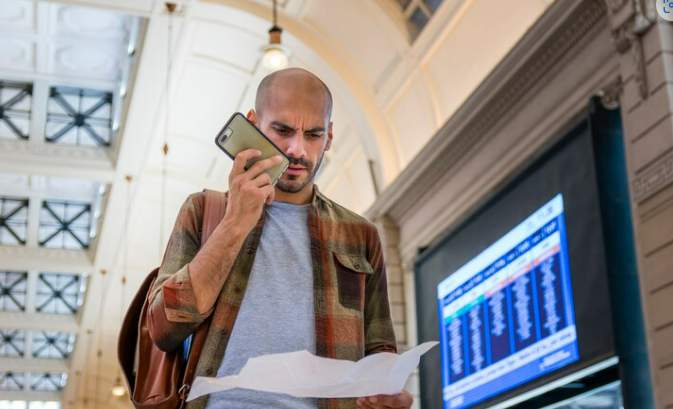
(164, 171)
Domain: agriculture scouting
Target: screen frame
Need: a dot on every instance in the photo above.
(578, 130)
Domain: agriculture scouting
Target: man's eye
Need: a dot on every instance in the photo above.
(282, 131)
(315, 135)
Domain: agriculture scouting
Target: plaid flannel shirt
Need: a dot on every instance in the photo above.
(352, 313)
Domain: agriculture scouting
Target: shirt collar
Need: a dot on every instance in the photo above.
(318, 198)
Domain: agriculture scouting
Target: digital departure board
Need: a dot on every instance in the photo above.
(506, 317)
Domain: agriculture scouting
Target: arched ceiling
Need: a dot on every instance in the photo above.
(391, 95)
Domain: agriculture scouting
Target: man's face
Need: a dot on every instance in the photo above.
(296, 120)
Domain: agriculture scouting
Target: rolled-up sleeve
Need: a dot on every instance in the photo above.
(173, 314)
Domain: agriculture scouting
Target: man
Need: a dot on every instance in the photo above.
(304, 272)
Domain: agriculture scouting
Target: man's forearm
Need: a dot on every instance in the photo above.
(212, 264)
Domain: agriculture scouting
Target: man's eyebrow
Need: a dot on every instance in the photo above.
(282, 125)
(317, 129)
(279, 124)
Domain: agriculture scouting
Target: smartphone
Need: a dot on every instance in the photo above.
(239, 134)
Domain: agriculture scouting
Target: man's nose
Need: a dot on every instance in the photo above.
(296, 147)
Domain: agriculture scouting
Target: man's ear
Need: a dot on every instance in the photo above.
(252, 117)
(330, 135)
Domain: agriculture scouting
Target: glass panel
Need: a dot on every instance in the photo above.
(12, 343)
(433, 4)
(13, 220)
(15, 99)
(44, 405)
(13, 404)
(13, 291)
(64, 225)
(57, 345)
(52, 382)
(78, 116)
(404, 3)
(59, 293)
(10, 381)
(419, 19)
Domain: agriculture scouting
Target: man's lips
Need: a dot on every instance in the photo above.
(295, 170)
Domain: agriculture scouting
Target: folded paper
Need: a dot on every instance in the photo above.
(302, 374)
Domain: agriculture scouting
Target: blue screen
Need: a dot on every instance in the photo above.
(506, 317)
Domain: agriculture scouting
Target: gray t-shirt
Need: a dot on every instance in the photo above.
(277, 314)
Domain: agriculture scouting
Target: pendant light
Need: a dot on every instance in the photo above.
(276, 55)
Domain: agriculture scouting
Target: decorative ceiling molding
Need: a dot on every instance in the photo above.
(629, 25)
(17, 54)
(537, 57)
(56, 160)
(38, 322)
(611, 94)
(36, 365)
(615, 6)
(44, 259)
(53, 150)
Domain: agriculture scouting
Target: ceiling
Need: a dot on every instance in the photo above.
(391, 94)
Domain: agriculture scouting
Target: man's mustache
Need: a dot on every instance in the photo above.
(300, 161)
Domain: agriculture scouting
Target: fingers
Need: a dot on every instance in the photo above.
(398, 401)
(239, 176)
(260, 166)
(271, 196)
(261, 180)
(264, 164)
(241, 159)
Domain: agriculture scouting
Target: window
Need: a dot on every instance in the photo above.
(11, 381)
(418, 13)
(22, 404)
(15, 99)
(13, 220)
(51, 382)
(58, 345)
(13, 291)
(45, 344)
(59, 293)
(78, 116)
(44, 405)
(65, 225)
(12, 344)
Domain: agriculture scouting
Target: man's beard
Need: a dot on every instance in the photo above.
(291, 186)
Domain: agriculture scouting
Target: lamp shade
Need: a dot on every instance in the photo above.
(118, 389)
(275, 57)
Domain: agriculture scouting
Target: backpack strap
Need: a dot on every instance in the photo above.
(213, 212)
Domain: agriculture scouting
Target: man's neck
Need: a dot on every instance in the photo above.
(304, 196)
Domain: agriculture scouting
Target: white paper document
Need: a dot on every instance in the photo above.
(304, 375)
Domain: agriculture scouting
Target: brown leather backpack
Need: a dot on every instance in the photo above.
(158, 379)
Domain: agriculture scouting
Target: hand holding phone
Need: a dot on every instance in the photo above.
(249, 189)
(258, 164)
(239, 134)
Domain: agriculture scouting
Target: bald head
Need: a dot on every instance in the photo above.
(295, 79)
